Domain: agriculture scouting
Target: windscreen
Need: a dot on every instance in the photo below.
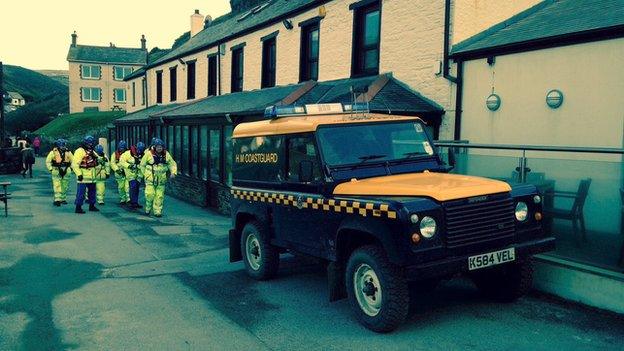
(370, 142)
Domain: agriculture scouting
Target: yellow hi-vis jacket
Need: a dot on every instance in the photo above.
(155, 167)
(115, 165)
(102, 170)
(58, 162)
(84, 164)
(130, 165)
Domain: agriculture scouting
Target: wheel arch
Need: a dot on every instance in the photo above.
(356, 233)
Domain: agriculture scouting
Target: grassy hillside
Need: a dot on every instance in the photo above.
(32, 85)
(45, 98)
(61, 76)
(75, 126)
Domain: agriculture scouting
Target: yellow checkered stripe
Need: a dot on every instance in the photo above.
(363, 208)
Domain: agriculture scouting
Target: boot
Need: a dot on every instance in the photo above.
(57, 203)
(79, 209)
(92, 208)
(64, 202)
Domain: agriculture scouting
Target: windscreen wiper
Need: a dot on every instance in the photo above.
(415, 153)
(367, 158)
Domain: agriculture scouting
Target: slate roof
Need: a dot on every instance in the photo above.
(144, 115)
(395, 97)
(151, 57)
(549, 19)
(15, 95)
(107, 54)
(229, 25)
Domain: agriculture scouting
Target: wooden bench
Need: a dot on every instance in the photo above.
(5, 196)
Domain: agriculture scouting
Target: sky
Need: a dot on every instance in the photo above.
(37, 33)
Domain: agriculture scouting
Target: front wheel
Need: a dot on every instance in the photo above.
(260, 257)
(377, 289)
(505, 283)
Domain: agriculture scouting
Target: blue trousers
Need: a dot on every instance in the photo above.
(80, 193)
(134, 191)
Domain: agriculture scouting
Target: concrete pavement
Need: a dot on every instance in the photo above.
(118, 280)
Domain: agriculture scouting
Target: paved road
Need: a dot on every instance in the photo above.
(116, 280)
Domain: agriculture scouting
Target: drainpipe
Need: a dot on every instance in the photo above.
(458, 99)
(219, 65)
(447, 33)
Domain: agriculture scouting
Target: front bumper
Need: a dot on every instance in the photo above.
(459, 264)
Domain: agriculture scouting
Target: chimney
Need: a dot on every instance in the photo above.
(143, 42)
(111, 44)
(74, 39)
(196, 23)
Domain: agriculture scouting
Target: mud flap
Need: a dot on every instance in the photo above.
(235, 251)
(336, 282)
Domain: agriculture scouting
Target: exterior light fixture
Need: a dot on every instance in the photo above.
(493, 102)
(554, 98)
(287, 24)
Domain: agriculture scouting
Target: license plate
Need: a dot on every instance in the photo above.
(491, 258)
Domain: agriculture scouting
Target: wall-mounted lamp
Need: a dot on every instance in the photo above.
(554, 98)
(288, 24)
(493, 102)
(228, 118)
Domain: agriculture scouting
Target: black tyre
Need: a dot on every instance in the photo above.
(260, 257)
(506, 283)
(377, 289)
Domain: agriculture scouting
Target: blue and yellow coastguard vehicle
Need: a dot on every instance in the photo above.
(368, 194)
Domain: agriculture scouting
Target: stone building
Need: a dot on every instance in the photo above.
(96, 75)
(268, 52)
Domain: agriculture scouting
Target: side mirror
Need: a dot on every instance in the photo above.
(306, 171)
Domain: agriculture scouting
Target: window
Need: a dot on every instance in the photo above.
(268, 63)
(177, 146)
(265, 149)
(173, 83)
(91, 94)
(144, 91)
(212, 75)
(185, 150)
(90, 72)
(302, 149)
(119, 73)
(170, 140)
(203, 150)
(190, 80)
(194, 149)
(237, 70)
(159, 87)
(229, 153)
(309, 52)
(215, 154)
(366, 40)
(133, 93)
(119, 95)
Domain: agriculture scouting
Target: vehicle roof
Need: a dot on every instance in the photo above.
(309, 123)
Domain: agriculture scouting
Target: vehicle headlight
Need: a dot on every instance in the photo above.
(522, 211)
(427, 227)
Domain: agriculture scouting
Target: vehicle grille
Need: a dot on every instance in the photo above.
(489, 221)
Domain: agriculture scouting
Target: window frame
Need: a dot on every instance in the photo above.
(305, 60)
(159, 87)
(125, 98)
(212, 75)
(269, 62)
(173, 83)
(124, 74)
(238, 69)
(90, 76)
(317, 161)
(359, 49)
(191, 70)
(90, 89)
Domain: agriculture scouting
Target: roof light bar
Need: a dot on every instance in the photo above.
(314, 109)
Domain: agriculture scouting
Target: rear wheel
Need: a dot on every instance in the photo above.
(377, 289)
(505, 283)
(260, 257)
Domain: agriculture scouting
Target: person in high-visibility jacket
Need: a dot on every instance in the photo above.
(157, 165)
(120, 175)
(130, 162)
(58, 164)
(102, 172)
(84, 166)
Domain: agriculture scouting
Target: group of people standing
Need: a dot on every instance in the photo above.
(131, 166)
